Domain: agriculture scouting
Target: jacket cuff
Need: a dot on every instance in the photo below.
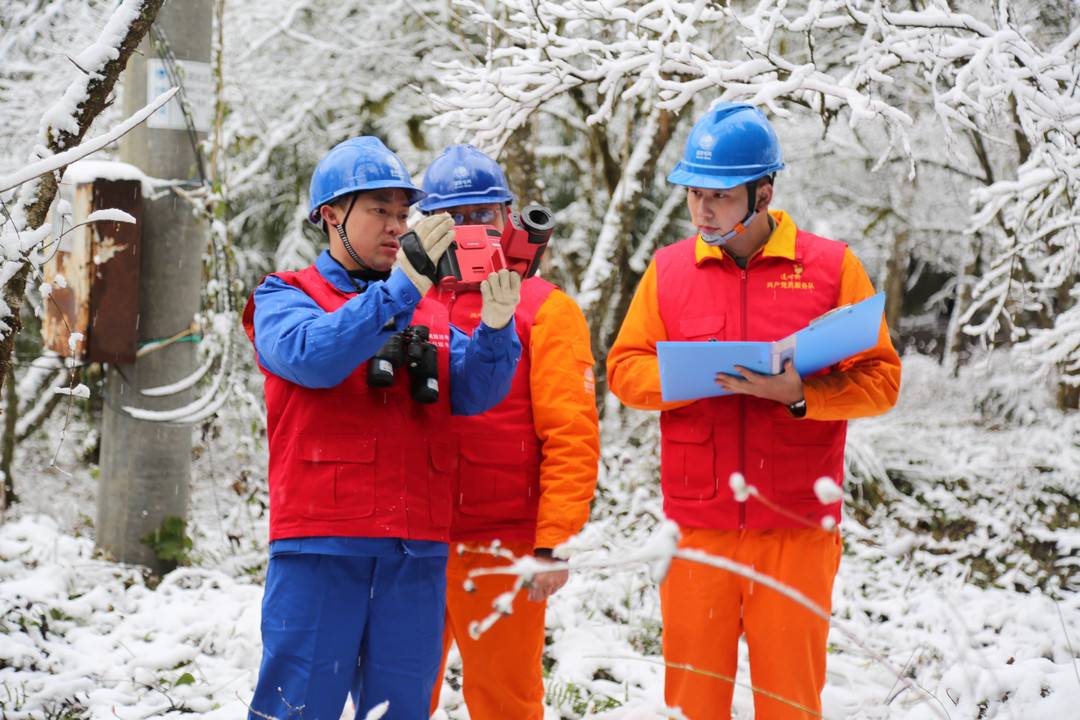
(500, 336)
(402, 291)
(812, 396)
(497, 343)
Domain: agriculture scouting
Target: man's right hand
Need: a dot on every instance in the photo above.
(435, 233)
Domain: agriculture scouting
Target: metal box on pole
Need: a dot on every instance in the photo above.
(98, 296)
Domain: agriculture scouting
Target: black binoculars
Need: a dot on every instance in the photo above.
(410, 348)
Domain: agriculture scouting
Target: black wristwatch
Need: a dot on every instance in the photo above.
(798, 408)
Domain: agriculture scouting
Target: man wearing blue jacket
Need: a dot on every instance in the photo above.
(361, 376)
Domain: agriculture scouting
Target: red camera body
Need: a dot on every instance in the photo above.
(479, 250)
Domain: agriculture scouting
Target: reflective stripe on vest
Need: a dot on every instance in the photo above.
(498, 486)
(354, 461)
(704, 443)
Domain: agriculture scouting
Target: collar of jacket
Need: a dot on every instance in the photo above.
(336, 274)
(781, 242)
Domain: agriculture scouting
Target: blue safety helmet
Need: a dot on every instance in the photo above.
(732, 145)
(360, 163)
(463, 175)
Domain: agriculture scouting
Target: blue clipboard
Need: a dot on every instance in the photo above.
(688, 369)
(839, 334)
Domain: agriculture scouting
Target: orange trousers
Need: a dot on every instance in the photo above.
(502, 676)
(706, 609)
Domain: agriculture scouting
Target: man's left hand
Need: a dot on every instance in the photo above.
(543, 585)
(785, 388)
(500, 294)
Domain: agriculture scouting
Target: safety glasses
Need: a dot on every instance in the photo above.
(480, 216)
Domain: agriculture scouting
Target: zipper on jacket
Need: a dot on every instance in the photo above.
(742, 398)
(450, 304)
(448, 298)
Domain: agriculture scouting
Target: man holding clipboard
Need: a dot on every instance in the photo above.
(748, 275)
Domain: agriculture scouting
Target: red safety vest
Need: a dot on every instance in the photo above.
(354, 461)
(497, 491)
(702, 444)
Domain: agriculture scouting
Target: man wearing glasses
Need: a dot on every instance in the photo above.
(527, 470)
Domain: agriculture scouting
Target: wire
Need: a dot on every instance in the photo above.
(188, 334)
(172, 69)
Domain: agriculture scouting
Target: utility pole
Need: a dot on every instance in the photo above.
(146, 466)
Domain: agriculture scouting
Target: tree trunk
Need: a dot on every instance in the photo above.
(519, 162)
(954, 335)
(608, 284)
(1068, 396)
(896, 285)
(7, 452)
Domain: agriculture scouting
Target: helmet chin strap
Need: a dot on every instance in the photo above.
(740, 227)
(725, 238)
(340, 227)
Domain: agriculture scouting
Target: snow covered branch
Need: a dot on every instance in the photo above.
(975, 73)
(52, 163)
(63, 127)
(657, 553)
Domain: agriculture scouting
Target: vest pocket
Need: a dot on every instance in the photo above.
(338, 479)
(496, 478)
(444, 461)
(706, 327)
(687, 459)
(803, 451)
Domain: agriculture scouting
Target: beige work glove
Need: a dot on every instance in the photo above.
(501, 292)
(435, 233)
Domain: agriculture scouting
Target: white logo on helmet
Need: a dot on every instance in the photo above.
(462, 178)
(705, 143)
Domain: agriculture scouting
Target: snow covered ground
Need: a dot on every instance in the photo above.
(961, 568)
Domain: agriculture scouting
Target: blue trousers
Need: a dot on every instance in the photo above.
(334, 625)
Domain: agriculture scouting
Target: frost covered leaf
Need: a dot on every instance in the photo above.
(504, 603)
(660, 548)
(739, 487)
(79, 391)
(827, 491)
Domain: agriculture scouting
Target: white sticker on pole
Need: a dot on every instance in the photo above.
(198, 88)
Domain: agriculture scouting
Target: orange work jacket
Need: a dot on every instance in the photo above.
(692, 291)
(528, 466)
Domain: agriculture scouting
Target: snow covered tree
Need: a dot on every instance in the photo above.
(38, 44)
(978, 97)
(62, 128)
(301, 77)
